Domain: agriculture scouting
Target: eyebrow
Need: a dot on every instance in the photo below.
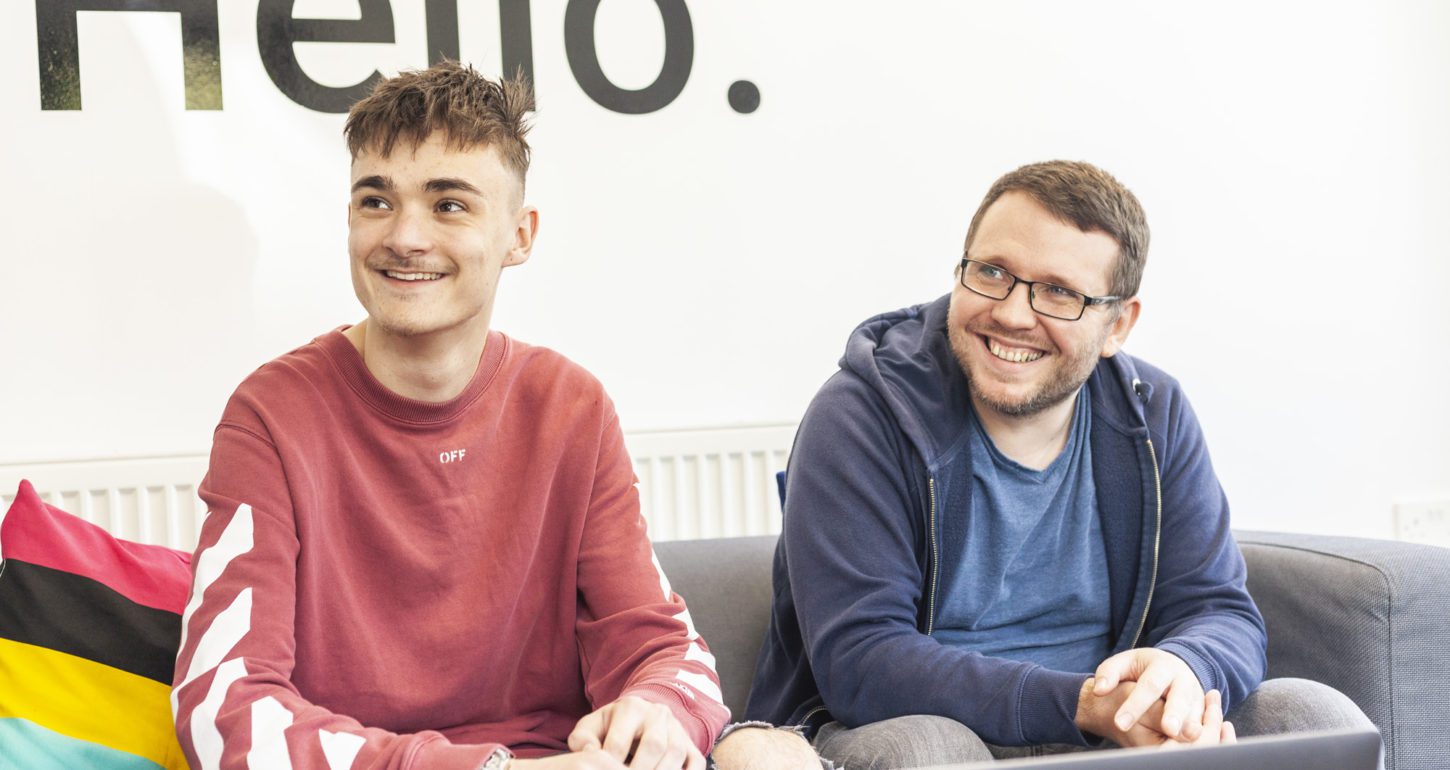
(1057, 280)
(376, 182)
(441, 184)
(1049, 277)
(449, 184)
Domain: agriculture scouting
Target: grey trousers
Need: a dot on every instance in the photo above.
(1278, 706)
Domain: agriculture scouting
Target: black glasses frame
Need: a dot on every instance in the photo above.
(1031, 291)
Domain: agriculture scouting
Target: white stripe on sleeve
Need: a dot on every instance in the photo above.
(701, 655)
(236, 540)
(228, 628)
(665, 589)
(340, 748)
(703, 684)
(684, 617)
(206, 739)
(269, 741)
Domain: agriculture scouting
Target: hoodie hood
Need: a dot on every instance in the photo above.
(905, 356)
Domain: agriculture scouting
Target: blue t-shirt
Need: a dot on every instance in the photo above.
(1036, 533)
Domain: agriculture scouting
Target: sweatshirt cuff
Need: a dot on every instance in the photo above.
(702, 734)
(1047, 707)
(1201, 666)
(441, 755)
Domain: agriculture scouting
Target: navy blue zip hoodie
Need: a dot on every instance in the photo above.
(877, 503)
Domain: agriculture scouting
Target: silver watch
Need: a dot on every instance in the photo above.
(500, 759)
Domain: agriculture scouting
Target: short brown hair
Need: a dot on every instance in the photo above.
(1091, 199)
(468, 108)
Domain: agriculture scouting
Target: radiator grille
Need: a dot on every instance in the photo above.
(149, 500)
(717, 482)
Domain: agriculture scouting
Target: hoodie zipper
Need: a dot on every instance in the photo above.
(1157, 538)
(806, 720)
(935, 557)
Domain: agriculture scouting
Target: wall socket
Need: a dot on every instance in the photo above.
(1425, 522)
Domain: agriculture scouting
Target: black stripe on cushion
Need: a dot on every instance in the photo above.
(82, 617)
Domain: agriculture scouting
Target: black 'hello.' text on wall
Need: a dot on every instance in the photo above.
(277, 30)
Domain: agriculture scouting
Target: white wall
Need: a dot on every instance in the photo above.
(708, 265)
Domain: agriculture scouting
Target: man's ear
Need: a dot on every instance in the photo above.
(525, 230)
(1118, 331)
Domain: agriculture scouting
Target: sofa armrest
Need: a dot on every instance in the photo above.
(1367, 617)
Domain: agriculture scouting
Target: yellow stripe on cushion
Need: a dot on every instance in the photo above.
(89, 702)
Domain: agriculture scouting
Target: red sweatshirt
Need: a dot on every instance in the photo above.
(388, 583)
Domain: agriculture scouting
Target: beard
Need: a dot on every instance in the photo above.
(1063, 381)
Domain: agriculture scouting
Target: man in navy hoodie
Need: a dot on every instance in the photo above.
(1004, 536)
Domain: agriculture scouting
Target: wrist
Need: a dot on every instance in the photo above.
(1086, 717)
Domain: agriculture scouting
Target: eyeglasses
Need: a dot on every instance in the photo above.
(1048, 299)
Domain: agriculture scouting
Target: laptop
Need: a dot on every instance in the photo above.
(1329, 750)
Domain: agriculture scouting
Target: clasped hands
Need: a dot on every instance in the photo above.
(1149, 697)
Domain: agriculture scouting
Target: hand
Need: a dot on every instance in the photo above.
(1095, 715)
(642, 734)
(1160, 675)
(591, 759)
(1214, 729)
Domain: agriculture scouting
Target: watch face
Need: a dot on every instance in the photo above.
(498, 760)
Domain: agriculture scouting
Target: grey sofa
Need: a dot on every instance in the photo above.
(1368, 617)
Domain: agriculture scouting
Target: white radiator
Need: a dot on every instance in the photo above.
(710, 483)
(148, 499)
(717, 482)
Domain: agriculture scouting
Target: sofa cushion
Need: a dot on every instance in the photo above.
(89, 627)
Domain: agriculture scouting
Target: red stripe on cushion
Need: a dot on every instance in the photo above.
(150, 575)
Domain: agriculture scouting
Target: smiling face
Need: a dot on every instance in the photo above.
(1018, 362)
(429, 230)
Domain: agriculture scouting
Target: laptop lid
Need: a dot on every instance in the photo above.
(1329, 750)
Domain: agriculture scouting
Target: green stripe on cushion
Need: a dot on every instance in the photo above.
(76, 615)
(88, 702)
(28, 745)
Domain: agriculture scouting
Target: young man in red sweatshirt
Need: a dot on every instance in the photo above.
(424, 546)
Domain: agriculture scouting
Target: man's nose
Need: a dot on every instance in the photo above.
(410, 234)
(1016, 311)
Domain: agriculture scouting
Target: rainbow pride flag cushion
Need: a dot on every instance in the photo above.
(89, 627)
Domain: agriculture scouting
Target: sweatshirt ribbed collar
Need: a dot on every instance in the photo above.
(349, 363)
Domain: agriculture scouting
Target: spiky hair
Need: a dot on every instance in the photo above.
(469, 109)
